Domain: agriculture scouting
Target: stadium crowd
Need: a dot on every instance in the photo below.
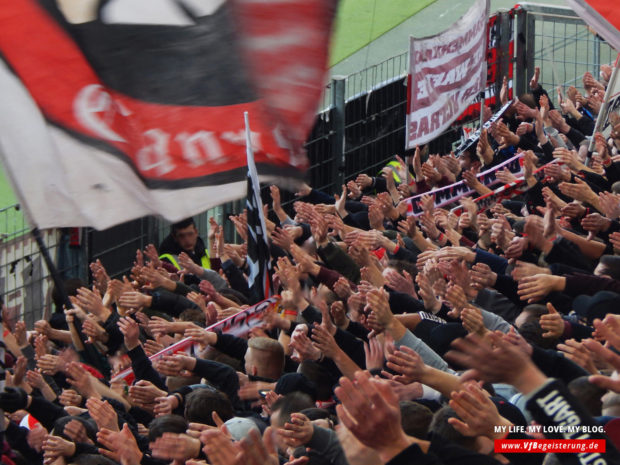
(400, 340)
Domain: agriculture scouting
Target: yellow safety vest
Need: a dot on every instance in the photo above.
(396, 166)
(204, 260)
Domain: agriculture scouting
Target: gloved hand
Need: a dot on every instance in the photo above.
(13, 399)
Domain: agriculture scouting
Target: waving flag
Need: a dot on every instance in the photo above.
(259, 278)
(118, 109)
(601, 15)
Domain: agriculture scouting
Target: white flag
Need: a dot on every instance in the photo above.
(447, 71)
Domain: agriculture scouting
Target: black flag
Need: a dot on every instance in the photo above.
(259, 279)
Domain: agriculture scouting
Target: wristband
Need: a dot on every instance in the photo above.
(290, 312)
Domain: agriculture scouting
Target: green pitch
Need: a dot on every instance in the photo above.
(11, 220)
(359, 22)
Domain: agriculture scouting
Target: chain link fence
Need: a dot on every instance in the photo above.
(562, 46)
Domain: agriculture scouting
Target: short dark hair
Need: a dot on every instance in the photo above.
(404, 265)
(194, 315)
(92, 459)
(89, 426)
(439, 425)
(590, 395)
(535, 311)
(529, 100)
(415, 418)
(314, 413)
(202, 402)
(167, 424)
(320, 376)
(70, 287)
(533, 333)
(291, 403)
(611, 263)
(187, 222)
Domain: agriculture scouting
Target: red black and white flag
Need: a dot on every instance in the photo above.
(116, 109)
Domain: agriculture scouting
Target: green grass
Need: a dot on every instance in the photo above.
(7, 197)
(359, 22)
(11, 220)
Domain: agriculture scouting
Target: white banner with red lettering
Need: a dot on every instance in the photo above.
(238, 325)
(446, 73)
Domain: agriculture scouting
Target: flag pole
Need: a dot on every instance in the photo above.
(482, 94)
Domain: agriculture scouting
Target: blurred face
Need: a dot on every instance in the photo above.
(186, 238)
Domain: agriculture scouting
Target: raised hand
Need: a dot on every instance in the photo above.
(298, 431)
(131, 332)
(580, 190)
(473, 321)
(50, 364)
(610, 204)
(324, 341)
(81, 380)
(534, 288)
(370, 411)
(477, 414)
(580, 354)
(608, 329)
(482, 276)
(135, 300)
(523, 269)
(494, 359)
(375, 354)
(605, 382)
(120, 447)
(220, 448)
(91, 302)
(401, 283)
(55, 446)
(151, 253)
(302, 345)
(535, 78)
(143, 393)
(70, 397)
(100, 276)
(103, 413)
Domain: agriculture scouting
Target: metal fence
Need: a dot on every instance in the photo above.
(360, 125)
(24, 279)
(561, 44)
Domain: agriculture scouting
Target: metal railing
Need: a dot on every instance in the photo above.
(25, 284)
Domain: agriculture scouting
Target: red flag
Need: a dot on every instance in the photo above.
(601, 15)
(139, 103)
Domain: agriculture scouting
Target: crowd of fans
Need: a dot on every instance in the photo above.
(401, 340)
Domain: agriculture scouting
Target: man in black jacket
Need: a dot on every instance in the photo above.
(184, 237)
